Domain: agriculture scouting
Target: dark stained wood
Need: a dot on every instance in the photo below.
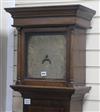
(54, 95)
(52, 21)
(46, 99)
(40, 82)
(52, 99)
(77, 90)
(19, 57)
(57, 83)
(52, 15)
(77, 57)
(49, 11)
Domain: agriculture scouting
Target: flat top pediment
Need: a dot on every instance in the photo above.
(52, 11)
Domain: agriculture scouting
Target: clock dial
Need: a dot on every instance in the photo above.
(46, 56)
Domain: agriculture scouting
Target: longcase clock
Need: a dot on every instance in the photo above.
(51, 67)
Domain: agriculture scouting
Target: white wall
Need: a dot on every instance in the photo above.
(6, 56)
(92, 100)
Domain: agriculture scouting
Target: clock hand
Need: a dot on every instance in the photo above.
(46, 59)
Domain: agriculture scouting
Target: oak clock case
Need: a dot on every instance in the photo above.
(49, 43)
(45, 55)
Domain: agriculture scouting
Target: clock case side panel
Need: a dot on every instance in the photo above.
(19, 56)
(78, 57)
(22, 58)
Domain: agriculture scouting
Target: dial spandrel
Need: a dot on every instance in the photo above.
(46, 56)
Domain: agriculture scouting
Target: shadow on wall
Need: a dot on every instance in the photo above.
(3, 70)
